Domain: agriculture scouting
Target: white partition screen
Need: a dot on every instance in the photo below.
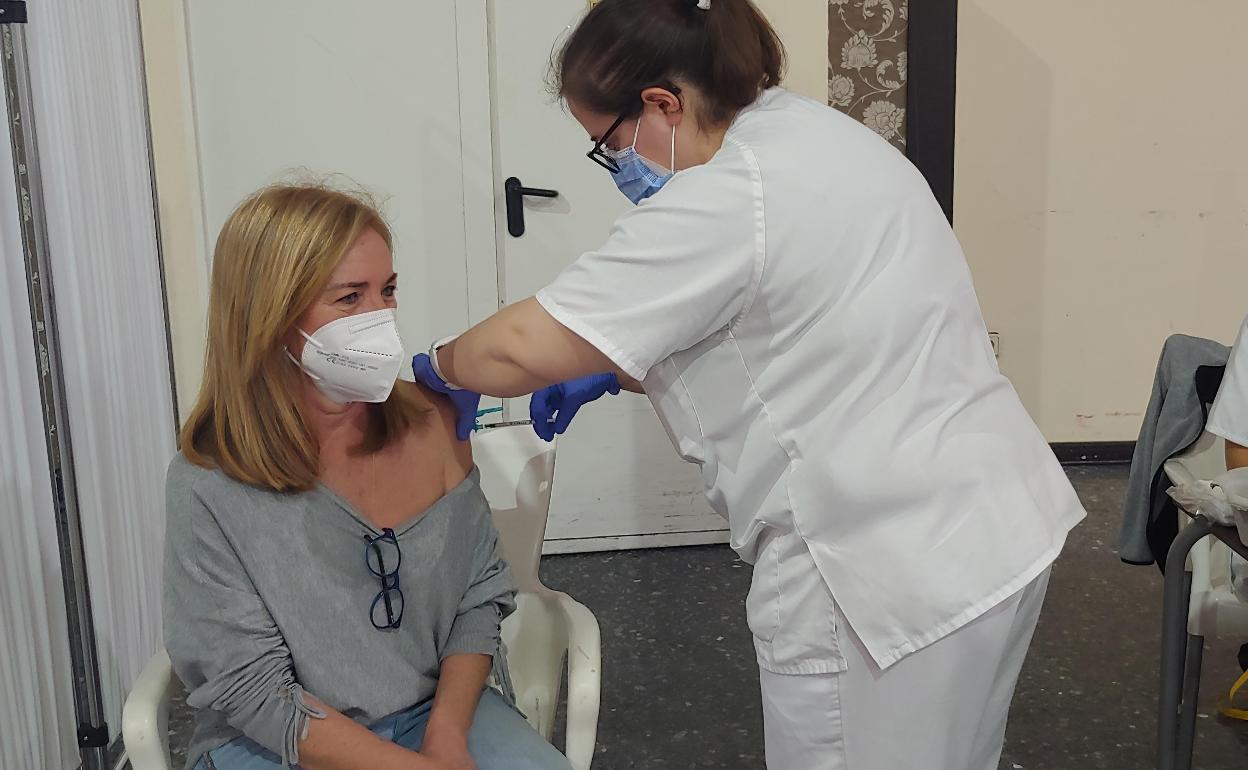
(36, 699)
(101, 376)
(90, 105)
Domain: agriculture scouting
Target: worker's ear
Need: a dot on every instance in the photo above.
(667, 103)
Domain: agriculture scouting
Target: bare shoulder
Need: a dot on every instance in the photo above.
(439, 431)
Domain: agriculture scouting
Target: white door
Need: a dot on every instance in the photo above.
(296, 88)
(618, 481)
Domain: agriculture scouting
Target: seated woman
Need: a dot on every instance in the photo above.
(333, 591)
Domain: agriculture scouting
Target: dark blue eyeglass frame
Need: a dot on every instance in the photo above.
(390, 596)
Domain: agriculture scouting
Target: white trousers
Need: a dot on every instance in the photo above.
(941, 708)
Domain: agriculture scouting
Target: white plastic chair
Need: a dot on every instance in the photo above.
(547, 630)
(145, 717)
(1214, 609)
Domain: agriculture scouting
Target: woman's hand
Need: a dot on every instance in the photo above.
(338, 742)
(460, 683)
(448, 748)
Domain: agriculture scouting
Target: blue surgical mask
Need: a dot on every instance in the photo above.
(639, 177)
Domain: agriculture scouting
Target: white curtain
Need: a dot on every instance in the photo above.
(86, 72)
(36, 699)
(92, 132)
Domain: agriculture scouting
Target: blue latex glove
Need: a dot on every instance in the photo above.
(553, 408)
(465, 401)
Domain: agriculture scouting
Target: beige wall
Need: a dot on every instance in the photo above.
(803, 25)
(183, 243)
(1101, 193)
(1101, 188)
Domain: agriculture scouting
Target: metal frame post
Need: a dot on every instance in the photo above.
(92, 731)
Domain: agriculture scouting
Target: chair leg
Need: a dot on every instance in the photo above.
(1177, 597)
(1191, 697)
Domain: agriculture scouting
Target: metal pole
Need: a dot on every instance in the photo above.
(1177, 593)
(1190, 699)
(88, 701)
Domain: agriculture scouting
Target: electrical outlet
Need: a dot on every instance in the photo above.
(995, 339)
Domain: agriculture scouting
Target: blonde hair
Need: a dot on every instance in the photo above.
(273, 258)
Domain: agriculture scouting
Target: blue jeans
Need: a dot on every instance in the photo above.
(500, 739)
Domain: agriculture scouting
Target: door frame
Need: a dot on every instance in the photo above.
(479, 157)
(184, 243)
(931, 94)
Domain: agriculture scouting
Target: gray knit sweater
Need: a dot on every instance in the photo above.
(267, 595)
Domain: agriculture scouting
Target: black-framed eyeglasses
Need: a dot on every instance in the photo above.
(383, 557)
(599, 152)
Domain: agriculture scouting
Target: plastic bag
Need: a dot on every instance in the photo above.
(1206, 498)
(1225, 501)
(1239, 577)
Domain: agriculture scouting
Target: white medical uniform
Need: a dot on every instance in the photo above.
(1229, 416)
(803, 321)
(1228, 419)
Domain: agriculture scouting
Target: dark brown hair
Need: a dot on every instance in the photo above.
(728, 52)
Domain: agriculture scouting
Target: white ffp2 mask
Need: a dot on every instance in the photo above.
(356, 358)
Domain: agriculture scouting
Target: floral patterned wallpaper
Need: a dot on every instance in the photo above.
(867, 63)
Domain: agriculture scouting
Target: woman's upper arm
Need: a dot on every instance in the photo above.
(212, 609)
(460, 452)
(1236, 456)
(220, 636)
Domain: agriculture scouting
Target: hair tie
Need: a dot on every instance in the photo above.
(704, 4)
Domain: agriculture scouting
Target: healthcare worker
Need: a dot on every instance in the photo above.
(790, 297)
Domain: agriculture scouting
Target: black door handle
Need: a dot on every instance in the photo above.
(515, 192)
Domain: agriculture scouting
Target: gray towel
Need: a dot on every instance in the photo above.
(1186, 381)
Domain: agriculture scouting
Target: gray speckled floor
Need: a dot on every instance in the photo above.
(680, 687)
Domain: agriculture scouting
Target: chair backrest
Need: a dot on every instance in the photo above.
(1204, 459)
(517, 472)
